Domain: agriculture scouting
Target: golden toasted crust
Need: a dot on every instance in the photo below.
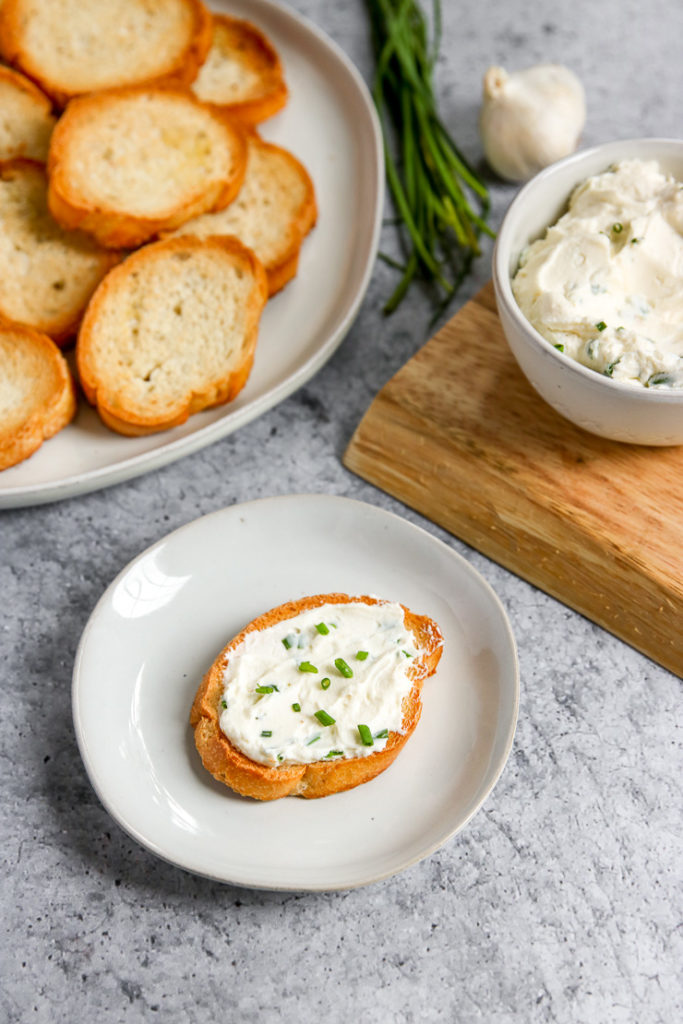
(272, 213)
(37, 394)
(47, 274)
(82, 176)
(242, 74)
(27, 30)
(321, 778)
(170, 332)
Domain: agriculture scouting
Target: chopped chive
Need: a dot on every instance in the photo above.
(325, 683)
(266, 732)
(407, 654)
(341, 665)
(601, 326)
(287, 642)
(334, 753)
(314, 740)
(267, 689)
(610, 369)
(322, 628)
(365, 736)
(324, 718)
(305, 666)
(659, 378)
(617, 228)
(280, 757)
(382, 735)
(296, 707)
(634, 241)
(224, 704)
(560, 348)
(361, 655)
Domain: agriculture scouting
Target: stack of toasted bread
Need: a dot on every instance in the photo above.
(131, 125)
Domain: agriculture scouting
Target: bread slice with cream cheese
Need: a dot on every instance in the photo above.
(335, 771)
(37, 394)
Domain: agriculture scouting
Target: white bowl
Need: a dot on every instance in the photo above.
(603, 406)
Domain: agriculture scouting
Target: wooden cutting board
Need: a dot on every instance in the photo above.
(459, 435)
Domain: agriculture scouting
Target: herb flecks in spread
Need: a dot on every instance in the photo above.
(276, 708)
(605, 283)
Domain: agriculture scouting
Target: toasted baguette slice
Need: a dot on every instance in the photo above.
(27, 119)
(47, 274)
(273, 212)
(129, 163)
(233, 767)
(37, 394)
(242, 73)
(71, 47)
(170, 332)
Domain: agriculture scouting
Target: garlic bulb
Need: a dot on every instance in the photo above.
(530, 118)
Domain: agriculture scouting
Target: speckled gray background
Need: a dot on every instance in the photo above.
(562, 899)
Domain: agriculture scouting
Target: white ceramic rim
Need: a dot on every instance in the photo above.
(126, 469)
(120, 817)
(502, 279)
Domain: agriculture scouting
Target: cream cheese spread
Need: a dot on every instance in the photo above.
(605, 283)
(298, 691)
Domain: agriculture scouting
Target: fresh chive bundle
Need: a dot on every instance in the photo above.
(434, 189)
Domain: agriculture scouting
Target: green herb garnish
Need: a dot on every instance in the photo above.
(659, 378)
(365, 736)
(224, 704)
(560, 348)
(382, 735)
(322, 628)
(361, 655)
(266, 732)
(314, 740)
(305, 666)
(617, 228)
(296, 707)
(441, 201)
(325, 683)
(334, 753)
(601, 326)
(267, 689)
(610, 369)
(287, 642)
(324, 718)
(407, 654)
(342, 667)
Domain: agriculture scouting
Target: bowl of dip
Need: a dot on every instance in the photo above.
(588, 275)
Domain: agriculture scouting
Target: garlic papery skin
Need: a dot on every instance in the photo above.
(529, 119)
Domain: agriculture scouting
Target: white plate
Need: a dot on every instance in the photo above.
(159, 626)
(330, 124)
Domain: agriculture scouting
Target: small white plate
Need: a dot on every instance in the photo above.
(162, 622)
(330, 124)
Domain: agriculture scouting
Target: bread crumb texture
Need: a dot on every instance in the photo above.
(242, 71)
(72, 47)
(47, 274)
(26, 119)
(273, 211)
(127, 163)
(171, 331)
(37, 396)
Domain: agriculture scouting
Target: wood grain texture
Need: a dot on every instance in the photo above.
(459, 435)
